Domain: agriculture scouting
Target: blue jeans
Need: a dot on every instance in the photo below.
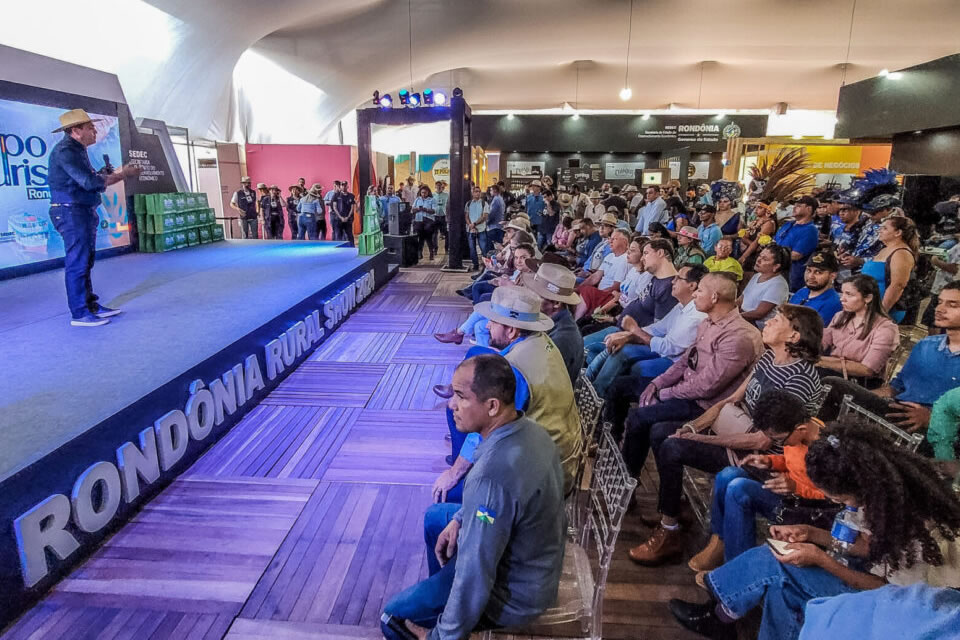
(606, 366)
(737, 498)
(78, 227)
(307, 227)
(423, 602)
(479, 238)
(481, 289)
(755, 576)
(249, 229)
(476, 325)
(494, 236)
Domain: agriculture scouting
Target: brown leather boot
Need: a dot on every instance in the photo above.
(710, 557)
(454, 337)
(661, 547)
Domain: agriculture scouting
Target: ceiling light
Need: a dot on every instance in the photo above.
(404, 96)
(440, 98)
(509, 116)
(575, 116)
(414, 99)
(720, 115)
(896, 75)
(884, 72)
(428, 97)
(386, 101)
(918, 132)
(625, 94)
(645, 116)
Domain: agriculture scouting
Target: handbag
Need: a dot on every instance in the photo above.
(733, 420)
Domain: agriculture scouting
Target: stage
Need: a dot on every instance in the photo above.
(73, 396)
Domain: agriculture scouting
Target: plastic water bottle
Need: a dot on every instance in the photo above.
(846, 529)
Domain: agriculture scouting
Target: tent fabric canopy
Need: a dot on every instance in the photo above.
(289, 70)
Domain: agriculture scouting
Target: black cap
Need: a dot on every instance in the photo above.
(825, 260)
(809, 201)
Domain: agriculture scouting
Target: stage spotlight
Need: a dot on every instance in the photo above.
(414, 100)
(404, 96)
(386, 101)
(439, 98)
(376, 97)
(428, 97)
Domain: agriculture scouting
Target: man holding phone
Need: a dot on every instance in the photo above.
(760, 485)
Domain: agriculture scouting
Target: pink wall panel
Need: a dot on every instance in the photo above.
(282, 164)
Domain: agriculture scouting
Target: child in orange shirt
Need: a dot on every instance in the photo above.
(758, 486)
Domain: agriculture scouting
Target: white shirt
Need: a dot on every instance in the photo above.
(655, 211)
(775, 290)
(636, 201)
(632, 285)
(675, 332)
(595, 212)
(614, 269)
(943, 277)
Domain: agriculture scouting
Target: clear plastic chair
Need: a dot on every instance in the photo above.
(901, 438)
(590, 408)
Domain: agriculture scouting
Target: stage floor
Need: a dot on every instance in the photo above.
(58, 381)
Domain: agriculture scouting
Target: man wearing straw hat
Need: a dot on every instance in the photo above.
(75, 190)
(554, 283)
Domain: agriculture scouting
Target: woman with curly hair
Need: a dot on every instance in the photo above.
(908, 518)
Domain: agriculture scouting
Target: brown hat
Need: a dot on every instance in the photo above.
(610, 219)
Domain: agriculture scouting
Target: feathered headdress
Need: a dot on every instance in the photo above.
(779, 179)
(726, 189)
(873, 184)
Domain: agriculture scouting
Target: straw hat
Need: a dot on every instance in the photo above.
(316, 190)
(594, 195)
(261, 185)
(536, 183)
(689, 232)
(630, 188)
(610, 219)
(565, 199)
(521, 214)
(74, 118)
(244, 179)
(554, 282)
(519, 224)
(517, 307)
(274, 187)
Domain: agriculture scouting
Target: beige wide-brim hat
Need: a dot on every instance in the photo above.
(594, 195)
(316, 190)
(517, 307)
(630, 189)
(689, 232)
(610, 219)
(73, 118)
(565, 199)
(261, 185)
(554, 282)
(536, 183)
(519, 225)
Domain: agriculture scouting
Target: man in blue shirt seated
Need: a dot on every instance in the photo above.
(800, 235)
(496, 560)
(932, 369)
(819, 293)
(591, 238)
(75, 190)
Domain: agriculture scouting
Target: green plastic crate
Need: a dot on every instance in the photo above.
(216, 232)
(163, 223)
(190, 219)
(160, 203)
(206, 236)
(202, 200)
(140, 203)
(162, 242)
(180, 201)
(193, 237)
(191, 201)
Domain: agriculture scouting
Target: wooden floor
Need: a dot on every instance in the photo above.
(307, 516)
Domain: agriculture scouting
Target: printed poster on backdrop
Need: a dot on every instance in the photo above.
(26, 233)
(523, 168)
(698, 170)
(621, 170)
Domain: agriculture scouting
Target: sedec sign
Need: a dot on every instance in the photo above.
(99, 490)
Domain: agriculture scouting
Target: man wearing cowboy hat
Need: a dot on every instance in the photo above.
(296, 192)
(244, 202)
(535, 205)
(271, 213)
(580, 201)
(75, 190)
(595, 209)
(555, 283)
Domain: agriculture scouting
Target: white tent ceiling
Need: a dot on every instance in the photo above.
(288, 70)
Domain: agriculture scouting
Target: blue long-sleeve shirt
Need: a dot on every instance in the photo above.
(71, 177)
(930, 371)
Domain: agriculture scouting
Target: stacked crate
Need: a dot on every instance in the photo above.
(168, 221)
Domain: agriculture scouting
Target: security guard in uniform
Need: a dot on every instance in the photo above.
(496, 561)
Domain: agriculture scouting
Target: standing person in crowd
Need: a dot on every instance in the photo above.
(75, 190)
(767, 289)
(534, 206)
(580, 201)
(496, 217)
(341, 219)
(892, 532)
(476, 213)
(931, 369)
(728, 218)
(858, 342)
(653, 210)
(948, 268)
(688, 247)
(424, 221)
(271, 210)
(302, 184)
(263, 191)
(708, 231)
(549, 219)
(329, 196)
(820, 294)
(723, 259)
(408, 191)
(310, 208)
(792, 340)
(714, 366)
(893, 266)
(756, 235)
(616, 200)
(293, 200)
(440, 200)
(801, 237)
(595, 209)
(244, 202)
(759, 485)
(496, 560)
(652, 349)
(389, 198)
(636, 199)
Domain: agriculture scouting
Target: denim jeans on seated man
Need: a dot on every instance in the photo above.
(737, 499)
(423, 602)
(606, 366)
(756, 576)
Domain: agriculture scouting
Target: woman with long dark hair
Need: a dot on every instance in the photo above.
(898, 523)
(859, 340)
(892, 268)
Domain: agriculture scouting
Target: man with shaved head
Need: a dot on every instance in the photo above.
(709, 371)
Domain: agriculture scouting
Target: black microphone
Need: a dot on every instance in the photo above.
(107, 167)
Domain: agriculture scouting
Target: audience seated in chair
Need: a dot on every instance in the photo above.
(900, 539)
(931, 369)
(650, 350)
(602, 285)
(820, 294)
(496, 560)
(767, 289)
(793, 340)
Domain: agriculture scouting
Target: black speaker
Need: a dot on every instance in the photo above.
(401, 250)
(399, 218)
